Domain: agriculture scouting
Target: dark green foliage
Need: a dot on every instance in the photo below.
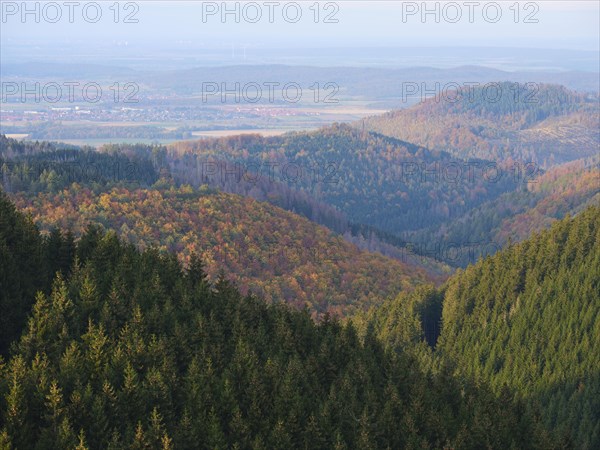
(42, 167)
(22, 270)
(525, 320)
(10, 148)
(528, 318)
(529, 102)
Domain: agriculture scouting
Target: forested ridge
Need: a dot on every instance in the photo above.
(34, 167)
(400, 195)
(263, 249)
(127, 349)
(525, 320)
(380, 194)
(373, 179)
(544, 123)
(529, 319)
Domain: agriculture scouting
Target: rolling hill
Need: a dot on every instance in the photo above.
(545, 124)
(264, 249)
(394, 197)
(374, 180)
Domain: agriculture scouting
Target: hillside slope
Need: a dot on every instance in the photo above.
(271, 252)
(529, 318)
(526, 320)
(374, 180)
(546, 124)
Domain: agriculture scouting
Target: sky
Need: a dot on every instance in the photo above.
(544, 24)
(171, 30)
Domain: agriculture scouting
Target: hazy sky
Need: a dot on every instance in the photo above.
(547, 24)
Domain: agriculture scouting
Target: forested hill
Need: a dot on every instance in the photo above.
(526, 319)
(263, 249)
(529, 318)
(375, 180)
(129, 350)
(274, 253)
(546, 124)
